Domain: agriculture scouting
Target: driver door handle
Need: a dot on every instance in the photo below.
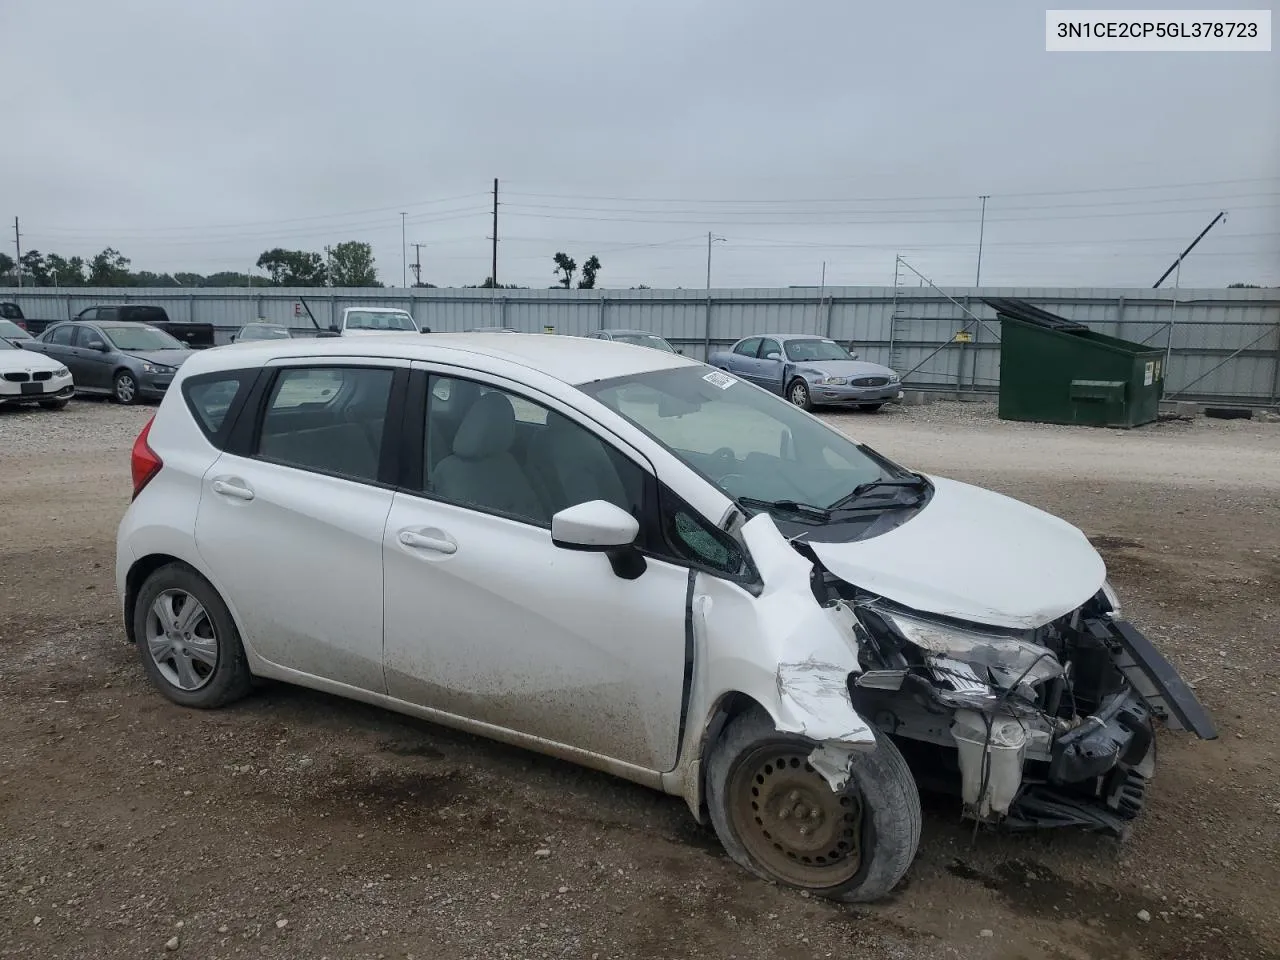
(435, 540)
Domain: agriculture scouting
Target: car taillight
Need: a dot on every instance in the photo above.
(143, 461)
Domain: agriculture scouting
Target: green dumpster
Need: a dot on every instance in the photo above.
(1054, 370)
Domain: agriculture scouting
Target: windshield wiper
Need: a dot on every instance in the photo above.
(913, 482)
(787, 506)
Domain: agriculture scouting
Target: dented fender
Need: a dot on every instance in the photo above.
(780, 648)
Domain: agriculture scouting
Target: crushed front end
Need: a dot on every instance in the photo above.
(1035, 728)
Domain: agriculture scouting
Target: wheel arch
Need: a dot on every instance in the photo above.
(148, 564)
(137, 576)
(732, 703)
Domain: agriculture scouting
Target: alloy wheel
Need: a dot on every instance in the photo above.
(181, 640)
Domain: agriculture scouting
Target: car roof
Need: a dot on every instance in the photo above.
(571, 360)
(379, 309)
(635, 333)
(789, 336)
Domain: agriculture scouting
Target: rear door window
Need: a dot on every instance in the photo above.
(61, 335)
(327, 419)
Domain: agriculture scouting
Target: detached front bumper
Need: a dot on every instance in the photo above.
(1094, 773)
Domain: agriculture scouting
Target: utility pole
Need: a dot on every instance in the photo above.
(328, 265)
(404, 255)
(711, 238)
(493, 272)
(417, 263)
(982, 227)
(1222, 215)
(17, 243)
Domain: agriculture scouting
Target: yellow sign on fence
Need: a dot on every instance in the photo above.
(964, 336)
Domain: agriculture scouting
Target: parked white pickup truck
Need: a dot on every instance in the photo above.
(366, 321)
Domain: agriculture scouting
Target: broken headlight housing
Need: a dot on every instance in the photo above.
(971, 661)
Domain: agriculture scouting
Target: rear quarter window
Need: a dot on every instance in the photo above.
(212, 399)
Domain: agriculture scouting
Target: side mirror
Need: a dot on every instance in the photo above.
(854, 355)
(334, 328)
(99, 346)
(680, 350)
(773, 355)
(425, 330)
(598, 526)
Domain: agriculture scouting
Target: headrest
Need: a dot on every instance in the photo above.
(488, 429)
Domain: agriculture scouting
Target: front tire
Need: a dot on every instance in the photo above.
(189, 645)
(798, 393)
(124, 388)
(777, 817)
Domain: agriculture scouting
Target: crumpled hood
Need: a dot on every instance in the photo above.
(845, 368)
(975, 555)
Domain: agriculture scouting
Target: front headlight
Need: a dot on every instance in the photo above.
(156, 368)
(893, 377)
(1001, 659)
(833, 381)
(62, 372)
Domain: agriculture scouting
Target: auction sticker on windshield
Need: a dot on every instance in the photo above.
(718, 379)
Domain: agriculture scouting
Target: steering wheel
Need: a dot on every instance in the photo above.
(726, 456)
(728, 480)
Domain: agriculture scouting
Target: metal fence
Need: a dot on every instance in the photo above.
(1221, 344)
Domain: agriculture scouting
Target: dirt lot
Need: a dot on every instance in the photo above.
(298, 825)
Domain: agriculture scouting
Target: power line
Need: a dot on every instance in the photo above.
(714, 219)
(1041, 193)
(318, 216)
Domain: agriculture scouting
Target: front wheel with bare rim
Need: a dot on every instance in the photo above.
(187, 641)
(778, 817)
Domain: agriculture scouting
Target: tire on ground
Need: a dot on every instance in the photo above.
(231, 678)
(891, 832)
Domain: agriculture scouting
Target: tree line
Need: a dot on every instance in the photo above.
(348, 264)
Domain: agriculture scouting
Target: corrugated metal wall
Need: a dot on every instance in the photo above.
(1223, 343)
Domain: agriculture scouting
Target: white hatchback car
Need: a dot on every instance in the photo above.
(631, 560)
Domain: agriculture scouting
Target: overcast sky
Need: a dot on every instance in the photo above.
(192, 136)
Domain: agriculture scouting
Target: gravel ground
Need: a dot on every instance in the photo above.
(295, 824)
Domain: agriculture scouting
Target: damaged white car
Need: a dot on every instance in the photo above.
(633, 561)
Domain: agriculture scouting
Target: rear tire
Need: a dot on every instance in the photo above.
(53, 404)
(124, 388)
(780, 819)
(188, 643)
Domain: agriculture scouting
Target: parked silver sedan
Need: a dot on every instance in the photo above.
(810, 371)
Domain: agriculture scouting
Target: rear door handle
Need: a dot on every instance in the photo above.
(232, 488)
(436, 540)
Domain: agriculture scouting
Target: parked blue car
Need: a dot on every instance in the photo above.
(810, 371)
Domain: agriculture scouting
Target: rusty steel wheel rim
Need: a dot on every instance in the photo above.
(791, 821)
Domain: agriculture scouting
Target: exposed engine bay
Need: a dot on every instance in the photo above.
(1037, 728)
